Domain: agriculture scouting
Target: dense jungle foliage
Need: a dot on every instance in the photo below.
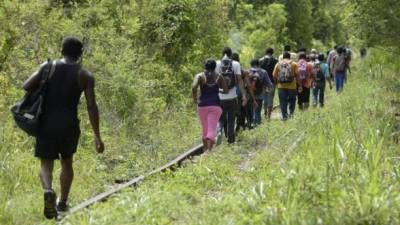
(143, 55)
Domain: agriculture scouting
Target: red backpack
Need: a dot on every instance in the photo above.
(302, 69)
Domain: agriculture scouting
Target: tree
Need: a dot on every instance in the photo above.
(376, 22)
(299, 22)
(268, 29)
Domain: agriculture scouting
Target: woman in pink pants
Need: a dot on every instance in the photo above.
(208, 108)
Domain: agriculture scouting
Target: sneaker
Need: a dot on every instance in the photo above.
(50, 211)
(62, 207)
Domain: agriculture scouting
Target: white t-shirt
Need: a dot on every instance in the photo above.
(238, 71)
(293, 57)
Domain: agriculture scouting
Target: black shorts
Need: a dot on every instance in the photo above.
(52, 148)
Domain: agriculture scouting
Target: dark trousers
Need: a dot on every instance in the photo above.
(241, 116)
(250, 113)
(257, 112)
(227, 119)
(304, 98)
(287, 97)
(318, 94)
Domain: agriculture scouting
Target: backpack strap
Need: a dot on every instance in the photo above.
(52, 69)
(49, 71)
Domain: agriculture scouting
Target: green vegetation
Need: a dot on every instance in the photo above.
(144, 54)
(337, 165)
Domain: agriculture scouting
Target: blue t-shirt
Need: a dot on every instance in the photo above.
(325, 69)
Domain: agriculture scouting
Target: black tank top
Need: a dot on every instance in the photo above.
(60, 106)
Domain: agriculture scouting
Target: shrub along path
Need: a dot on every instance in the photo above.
(335, 165)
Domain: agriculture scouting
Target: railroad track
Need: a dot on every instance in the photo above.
(198, 150)
(177, 162)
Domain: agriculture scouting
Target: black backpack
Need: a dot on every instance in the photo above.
(318, 74)
(256, 82)
(268, 63)
(227, 72)
(27, 111)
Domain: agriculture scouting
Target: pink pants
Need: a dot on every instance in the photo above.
(209, 116)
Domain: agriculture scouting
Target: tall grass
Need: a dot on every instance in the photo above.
(336, 165)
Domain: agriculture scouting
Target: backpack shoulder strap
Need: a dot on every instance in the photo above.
(48, 71)
(52, 69)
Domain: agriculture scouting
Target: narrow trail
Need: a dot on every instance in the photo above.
(176, 162)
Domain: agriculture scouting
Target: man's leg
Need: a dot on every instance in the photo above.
(66, 177)
(315, 96)
(257, 111)
(306, 102)
(238, 118)
(270, 102)
(266, 96)
(340, 80)
(249, 113)
(292, 101)
(221, 123)
(46, 177)
(282, 93)
(300, 99)
(322, 96)
(46, 173)
(231, 121)
(337, 82)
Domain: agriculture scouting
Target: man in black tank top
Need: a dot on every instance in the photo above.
(59, 130)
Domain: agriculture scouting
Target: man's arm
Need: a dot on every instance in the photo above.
(267, 81)
(33, 81)
(327, 76)
(348, 60)
(238, 72)
(88, 83)
(276, 71)
(332, 65)
(328, 59)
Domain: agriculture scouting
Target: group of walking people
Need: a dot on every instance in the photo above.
(230, 98)
(224, 93)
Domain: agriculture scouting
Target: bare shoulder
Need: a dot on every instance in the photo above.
(85, 73)
(41, 68)
(86, 79)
